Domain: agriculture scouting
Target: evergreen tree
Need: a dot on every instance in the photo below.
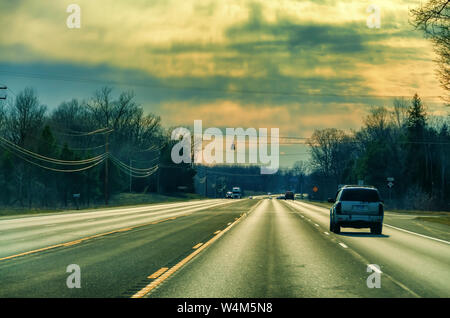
(417, 164)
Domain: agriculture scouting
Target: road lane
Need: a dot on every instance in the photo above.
(275, 253)
(117, 265)
(27, 234)
(421, 264)
(281, 249)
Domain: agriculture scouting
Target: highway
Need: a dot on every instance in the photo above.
(215, 248)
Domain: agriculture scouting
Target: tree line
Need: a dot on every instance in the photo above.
(48, 157)
(40, 147)
(400, 142)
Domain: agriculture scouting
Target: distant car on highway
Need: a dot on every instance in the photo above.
(237, 194)
(229, 195)
(357, 207)
(289, 195)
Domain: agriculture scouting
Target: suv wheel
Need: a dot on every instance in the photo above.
(376, 229)
(337, 228)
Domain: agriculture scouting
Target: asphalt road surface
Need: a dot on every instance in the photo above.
(216, 248)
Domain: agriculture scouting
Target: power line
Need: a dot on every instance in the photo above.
(37, 156)
(218, 90)
(54, 169)
(3, 88)
(124, 165)
(134, 172)
(134, 175)
(151, 148)
(100, 131)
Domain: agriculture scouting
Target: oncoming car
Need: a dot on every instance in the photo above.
(357, 207)
(236, 193)
(289, 195)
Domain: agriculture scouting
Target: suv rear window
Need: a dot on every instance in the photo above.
(363, 195)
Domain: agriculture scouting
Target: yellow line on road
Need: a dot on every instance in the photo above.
(144, 291)
(70, 243)
(124, 230)
(101, 234)
(197, 246)
(217, 232)
(158, 272)
(104, 234)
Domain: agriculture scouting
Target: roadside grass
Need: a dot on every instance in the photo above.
(439, 217)
(435, 219)
(420, 212)
(322, 204)
(328, 205)
(118, 200)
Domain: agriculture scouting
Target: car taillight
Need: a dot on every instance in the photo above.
(380, 209)
(338, 208)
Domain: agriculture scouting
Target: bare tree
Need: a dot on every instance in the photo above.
(330, 150)
(433, 18)
(400, 111)
(26, 117)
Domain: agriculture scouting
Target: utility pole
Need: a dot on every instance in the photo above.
(106, 166)
(157, 179)
(206, 182)
(130, 173)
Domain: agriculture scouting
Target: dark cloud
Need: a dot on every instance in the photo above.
(331, 38)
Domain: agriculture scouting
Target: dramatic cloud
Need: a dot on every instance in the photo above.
(296, 65)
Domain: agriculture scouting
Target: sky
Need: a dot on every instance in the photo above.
(293, 65)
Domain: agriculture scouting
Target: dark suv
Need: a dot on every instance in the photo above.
(289, 195)
(357, 207)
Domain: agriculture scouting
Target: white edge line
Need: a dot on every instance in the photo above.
(400, 229)
(428, 237)
(343, 245)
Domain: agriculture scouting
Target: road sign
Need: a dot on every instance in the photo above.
(76, 195)
(315, 189)
(390, 184)
(390, 179)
